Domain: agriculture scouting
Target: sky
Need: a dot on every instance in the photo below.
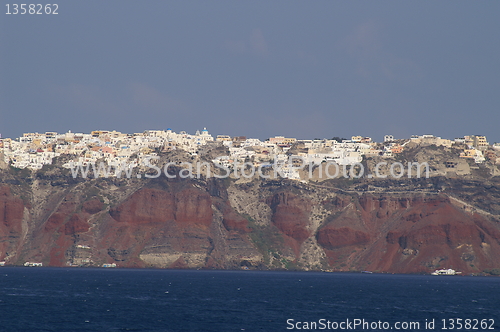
(303, 69)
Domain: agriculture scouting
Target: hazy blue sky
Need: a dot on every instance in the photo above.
(303, 69)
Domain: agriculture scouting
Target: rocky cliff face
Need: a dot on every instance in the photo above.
(410, 234)
(52, 218)
(12, 225)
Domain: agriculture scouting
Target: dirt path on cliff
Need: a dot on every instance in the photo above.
(472, 207)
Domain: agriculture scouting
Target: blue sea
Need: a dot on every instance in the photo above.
(78, 299)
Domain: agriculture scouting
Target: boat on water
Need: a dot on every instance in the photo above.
(32, 264)
(445, 272)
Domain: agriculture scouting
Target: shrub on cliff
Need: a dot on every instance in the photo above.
(494, 272)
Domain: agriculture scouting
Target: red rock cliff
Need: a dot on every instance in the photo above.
(412, 234)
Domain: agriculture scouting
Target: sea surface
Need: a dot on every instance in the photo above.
(79, 299)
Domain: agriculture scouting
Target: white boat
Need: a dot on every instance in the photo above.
(31, 264)
(445, 272)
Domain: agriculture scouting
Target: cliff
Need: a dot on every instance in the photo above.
(404, 226)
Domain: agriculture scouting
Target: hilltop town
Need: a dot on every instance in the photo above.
(450, 219)
(34, 150)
